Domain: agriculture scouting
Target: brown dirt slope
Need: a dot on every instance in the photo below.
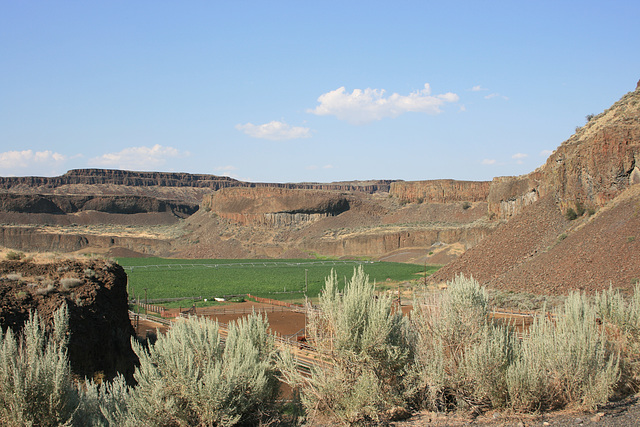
(539, 251)
(513, 243)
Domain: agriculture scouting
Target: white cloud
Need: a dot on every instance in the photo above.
(478, 88)
(489, 162)
(496, 95)
(138, 158)
(547, 153)
(274, 131)
(363, 106)
(327, 167)
(12, 160)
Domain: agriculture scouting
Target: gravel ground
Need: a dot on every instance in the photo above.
(625, 413)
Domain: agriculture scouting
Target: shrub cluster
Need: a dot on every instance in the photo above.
(372, 363)
(188, 377)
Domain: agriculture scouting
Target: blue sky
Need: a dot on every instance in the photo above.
(293, 91)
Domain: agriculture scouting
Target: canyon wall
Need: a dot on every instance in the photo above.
(440, 191)
(172, 179)
(274, 206)
(41, 240)
(592, 167)
(65, 204)
(384, 242)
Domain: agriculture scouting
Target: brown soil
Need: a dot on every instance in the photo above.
(282, 320)
(539, 251)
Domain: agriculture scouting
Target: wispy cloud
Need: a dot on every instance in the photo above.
(478, 88)
(16, 160)
(489, 161)
(364, 106)
(274, 131)
(138, 158)
(547, 153)
(496, 95)
(519, 157)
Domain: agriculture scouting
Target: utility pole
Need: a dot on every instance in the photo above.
(306, 281)
(425, 272)
(146, 301)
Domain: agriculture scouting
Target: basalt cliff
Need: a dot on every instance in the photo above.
(496, 230)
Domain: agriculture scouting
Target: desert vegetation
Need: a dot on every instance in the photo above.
(372, 363)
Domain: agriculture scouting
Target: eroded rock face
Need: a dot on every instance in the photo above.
(29, 238)
(96, 295)
(114, 177)
(63, 204)
(274, 206)
(592, 167)
(440, 191)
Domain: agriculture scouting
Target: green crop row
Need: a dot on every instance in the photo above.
(277, 279)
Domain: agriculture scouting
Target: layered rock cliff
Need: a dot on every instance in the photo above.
(592, 167)
(440, 191)
(63, 204)
(274, 206)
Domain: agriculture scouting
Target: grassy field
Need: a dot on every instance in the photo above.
(277, 279)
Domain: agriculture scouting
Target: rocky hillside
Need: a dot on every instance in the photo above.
(574, 223)
(275, 222)
(96, 296)
(153, 213)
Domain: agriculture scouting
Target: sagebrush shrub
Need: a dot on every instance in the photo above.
(362, 342)
(36, 386)
(564, 361)
(622, 323)
(459, 357)
(189, 377)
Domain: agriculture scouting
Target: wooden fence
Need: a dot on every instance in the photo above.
(274, 302)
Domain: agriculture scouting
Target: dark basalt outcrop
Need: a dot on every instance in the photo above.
(177, 180)
(95, 293)
(63, 204)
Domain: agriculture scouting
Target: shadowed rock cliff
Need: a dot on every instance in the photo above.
(95, 293)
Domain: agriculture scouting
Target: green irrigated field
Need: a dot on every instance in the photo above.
(277, 279)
